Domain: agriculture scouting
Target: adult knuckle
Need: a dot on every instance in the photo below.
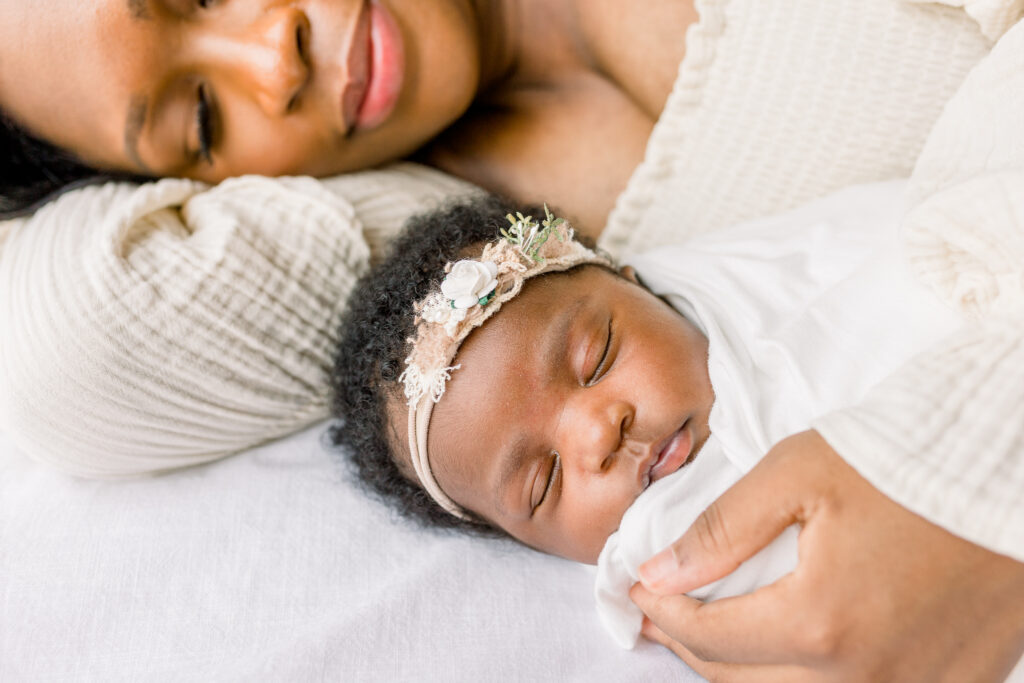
(701, 652)
(711, 530)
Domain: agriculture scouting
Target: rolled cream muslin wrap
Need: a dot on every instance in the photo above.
(804, 313)
(148, 328)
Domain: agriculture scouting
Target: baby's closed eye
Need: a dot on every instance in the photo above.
(544, 482)
(599, 357)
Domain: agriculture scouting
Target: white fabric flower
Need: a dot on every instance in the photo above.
(469, 281)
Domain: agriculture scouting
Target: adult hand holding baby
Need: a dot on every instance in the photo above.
(879, 593)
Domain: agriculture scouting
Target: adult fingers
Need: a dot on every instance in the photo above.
(741, 522)
(718, 672)
(651, 631)
(750, 629)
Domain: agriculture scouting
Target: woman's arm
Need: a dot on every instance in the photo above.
(944, 437)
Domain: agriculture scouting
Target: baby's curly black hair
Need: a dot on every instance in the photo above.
(373, 347)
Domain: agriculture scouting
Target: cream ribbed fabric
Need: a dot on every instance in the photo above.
(781, 101)
(945, 435)
(146, 328)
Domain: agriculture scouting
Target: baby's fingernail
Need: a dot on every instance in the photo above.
(658, 568)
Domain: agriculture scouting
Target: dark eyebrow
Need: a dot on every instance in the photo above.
(133, 125)
(552, 354)
(139, 9)
(136, 119)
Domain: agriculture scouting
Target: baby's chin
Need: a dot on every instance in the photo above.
(587, 553)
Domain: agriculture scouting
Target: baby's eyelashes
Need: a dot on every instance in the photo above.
(545, 482)
(603, 361)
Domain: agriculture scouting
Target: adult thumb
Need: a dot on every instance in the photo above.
(742, 521)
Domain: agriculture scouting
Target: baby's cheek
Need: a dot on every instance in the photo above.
(602, 524)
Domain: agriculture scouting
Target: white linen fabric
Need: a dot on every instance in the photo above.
(660, 516)
(778, 102)
(273, 566)
(804, 313)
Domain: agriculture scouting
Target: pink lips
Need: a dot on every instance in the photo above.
(376, 66)
(673, 454)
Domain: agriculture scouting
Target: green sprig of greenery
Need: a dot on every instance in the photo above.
(530, 236)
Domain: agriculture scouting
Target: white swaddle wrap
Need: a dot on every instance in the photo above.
(804, 312)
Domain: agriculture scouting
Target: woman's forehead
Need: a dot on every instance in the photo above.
(71, 71)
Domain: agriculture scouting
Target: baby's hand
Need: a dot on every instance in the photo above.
(879, 594)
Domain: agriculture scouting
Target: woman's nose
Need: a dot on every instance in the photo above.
(594, 433)
(266, 56)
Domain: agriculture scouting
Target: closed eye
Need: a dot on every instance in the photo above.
(204, 124)
(605, 357)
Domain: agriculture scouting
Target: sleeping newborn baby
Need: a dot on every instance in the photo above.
(497, 375)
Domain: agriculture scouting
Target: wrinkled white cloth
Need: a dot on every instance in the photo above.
(273, 566)
(804, 312)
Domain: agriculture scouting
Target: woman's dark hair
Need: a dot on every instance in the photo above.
(34, 170)
(373, 347)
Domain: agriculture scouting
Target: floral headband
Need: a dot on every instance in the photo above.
(472, 291)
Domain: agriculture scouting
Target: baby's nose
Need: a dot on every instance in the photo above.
(595, 433)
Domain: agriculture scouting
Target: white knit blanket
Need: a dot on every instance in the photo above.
(804, 313)
(944, 435)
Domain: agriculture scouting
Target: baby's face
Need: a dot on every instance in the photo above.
(578, 394)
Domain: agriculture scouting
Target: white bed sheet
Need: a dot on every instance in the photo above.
(272, 565)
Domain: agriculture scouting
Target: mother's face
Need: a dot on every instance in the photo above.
(214, 88)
